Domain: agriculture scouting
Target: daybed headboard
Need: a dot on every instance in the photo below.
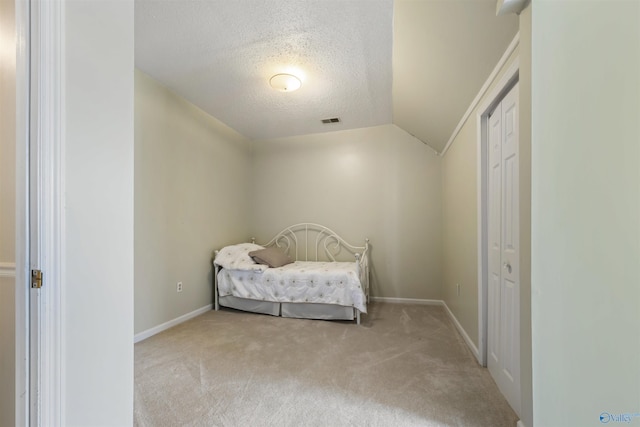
(314, 242)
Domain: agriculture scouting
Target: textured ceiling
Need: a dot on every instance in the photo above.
(220, 54)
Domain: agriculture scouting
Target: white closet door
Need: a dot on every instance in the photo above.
(503, 338)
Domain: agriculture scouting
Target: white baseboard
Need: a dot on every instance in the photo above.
(408, 301)
(520, 424)
(464, 334)
(171, 323)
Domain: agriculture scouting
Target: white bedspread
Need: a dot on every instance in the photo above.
(300, 282)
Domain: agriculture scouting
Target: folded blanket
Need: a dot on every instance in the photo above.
(236, 257)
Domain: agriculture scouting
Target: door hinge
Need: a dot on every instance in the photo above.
(36, 279)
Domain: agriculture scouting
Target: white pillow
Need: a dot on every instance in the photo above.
(236, 257)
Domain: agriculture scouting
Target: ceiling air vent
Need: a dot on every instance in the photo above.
(331, 120)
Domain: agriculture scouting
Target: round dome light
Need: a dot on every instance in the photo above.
(285, 82)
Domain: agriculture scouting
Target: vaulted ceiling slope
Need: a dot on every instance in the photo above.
(443, 52)
(419, 69)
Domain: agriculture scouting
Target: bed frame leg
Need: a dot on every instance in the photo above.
(358, 317)
(216, 269)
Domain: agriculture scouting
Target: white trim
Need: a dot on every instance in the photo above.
(408, 301)
(7, 269)
(170, 324)
(510, 49)
(508, 79)
(504, 7)
(520, 424)
(482, 238)
(464, 334)
(47, 215)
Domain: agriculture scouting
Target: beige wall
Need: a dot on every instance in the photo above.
(192, 182)
(377, 182)
(7, 211)
(7, 354)
(8, 130)
(585, 211)
(459, 205)
(460, 222)
(460, 218)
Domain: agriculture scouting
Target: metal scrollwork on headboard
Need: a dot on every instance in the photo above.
(314, 242)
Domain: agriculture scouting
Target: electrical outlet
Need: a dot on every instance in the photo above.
(179, 287)
(457, 289)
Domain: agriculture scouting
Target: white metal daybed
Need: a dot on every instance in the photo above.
(313, 286)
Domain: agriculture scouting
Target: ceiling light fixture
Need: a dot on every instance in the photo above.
(285, 82)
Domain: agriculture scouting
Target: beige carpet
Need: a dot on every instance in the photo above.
(406, 365)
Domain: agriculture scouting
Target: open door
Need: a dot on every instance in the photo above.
(38, 213)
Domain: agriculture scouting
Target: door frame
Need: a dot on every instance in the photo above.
(39, 211)
(506, 82)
